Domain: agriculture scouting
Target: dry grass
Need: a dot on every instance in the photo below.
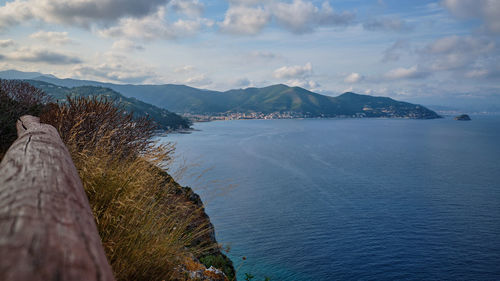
(17, 98)
(146, 230)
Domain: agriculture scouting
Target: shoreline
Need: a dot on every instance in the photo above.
(312, 118)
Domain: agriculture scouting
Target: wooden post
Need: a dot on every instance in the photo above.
(47, 230)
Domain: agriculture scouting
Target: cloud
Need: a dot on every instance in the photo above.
(387, 24)
(246, 2)
(393, 53)
(405, 73)
(456, 52)
(487, 11)
(200, 80)
(154, 26)
(6, 43)
(58, 38)
(81, 12)
(192, 8)
(184, 69)
(299, 16)
(475, 73)
(115, 68)
(353, 78)
(490, 72)
(263, 55)
(42, 56)
(110, 73)
(303, 83)
(111, 18)
(295, 71)
(303, 16)
(242, 82)
(245, 20)
(13, 13)
(127, 46)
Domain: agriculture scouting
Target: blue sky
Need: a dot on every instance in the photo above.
(412, 49)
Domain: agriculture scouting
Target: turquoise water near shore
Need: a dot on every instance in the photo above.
(351, 199)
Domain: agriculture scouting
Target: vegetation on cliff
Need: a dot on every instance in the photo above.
(151, 228)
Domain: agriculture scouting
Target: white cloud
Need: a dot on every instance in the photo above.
(353, 78)
(299, 16)
(350, 89)
(184, 69)
(13, 13)
(455, 52)
(245, 20)
(6, 43)
(200, 80)
(115, 68)
(154, 26)
(295, 71)
(58, 38)
(303, 16)
(488, 11)
(405, 73)
(126, 45)
(303, 83)
(192, 8)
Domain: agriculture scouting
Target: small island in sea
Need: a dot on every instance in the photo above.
(463, 117)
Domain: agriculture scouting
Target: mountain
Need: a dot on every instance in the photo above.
(15, 74)
(164, 118)
(272, 100)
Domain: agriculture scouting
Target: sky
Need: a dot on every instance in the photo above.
(398, 48)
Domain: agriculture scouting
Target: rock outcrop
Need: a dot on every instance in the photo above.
(463, 117)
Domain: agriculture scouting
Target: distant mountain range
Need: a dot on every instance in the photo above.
(295, 101)
(164, 118)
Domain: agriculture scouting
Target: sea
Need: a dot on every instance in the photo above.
(350, 199)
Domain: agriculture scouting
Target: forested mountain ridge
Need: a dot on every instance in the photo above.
(273, 101)
(164, 118)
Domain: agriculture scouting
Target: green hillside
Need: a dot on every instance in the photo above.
(272, 99)
(164, 118)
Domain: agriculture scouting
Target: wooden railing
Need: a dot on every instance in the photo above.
(47, 230)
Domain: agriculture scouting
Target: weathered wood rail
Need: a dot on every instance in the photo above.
(47, 230)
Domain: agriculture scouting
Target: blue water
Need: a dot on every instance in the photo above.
(351, 199)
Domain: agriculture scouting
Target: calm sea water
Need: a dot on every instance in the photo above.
(351, 199)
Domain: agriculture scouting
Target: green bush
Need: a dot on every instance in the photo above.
(221, 262)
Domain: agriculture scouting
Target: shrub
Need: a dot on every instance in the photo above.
(221, 262)
(146, 230)
(17, 98)
(91, 123)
